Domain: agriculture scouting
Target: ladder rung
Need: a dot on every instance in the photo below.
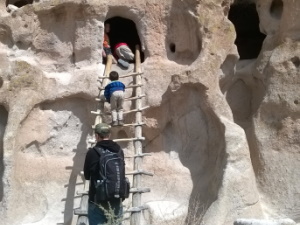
(139, 155)
(140, 172)
(98, 100)
(129, 139)
(130, 74)
(80, 212)
(127, 87)
(126, 75)
(126, 99)
(102, 77)
(134, 98)
(82, 193)
(139, 190)
(134, 124)
(126, 125)
(136, 209)
(136, 110)
(93, 141)
(98, 112)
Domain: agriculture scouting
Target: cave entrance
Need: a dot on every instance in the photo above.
(19, 3)
(3, 122)
(123, 30)
(249, 39)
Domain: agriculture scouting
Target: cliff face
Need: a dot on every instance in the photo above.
(223, 125)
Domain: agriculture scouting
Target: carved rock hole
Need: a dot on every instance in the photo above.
(123, 30)
(172, 47)
(296, 102)
(276, 9)
(19, 3)
(249, 39)
(296, 61)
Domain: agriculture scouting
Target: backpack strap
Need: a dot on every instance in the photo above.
(99, 151)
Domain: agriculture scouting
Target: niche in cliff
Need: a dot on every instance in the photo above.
(276, 9)
(249, 39)
(184, 40)
(3, 122)
(18, 3)
(123, 30)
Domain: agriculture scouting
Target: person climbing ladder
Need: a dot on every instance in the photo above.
(114, 94)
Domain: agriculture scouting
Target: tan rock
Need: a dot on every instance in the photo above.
(223, 132)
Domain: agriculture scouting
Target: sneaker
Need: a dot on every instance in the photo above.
(114, 123)
(121, 123)
(123, 63)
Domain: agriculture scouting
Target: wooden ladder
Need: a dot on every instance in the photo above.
(136, 189)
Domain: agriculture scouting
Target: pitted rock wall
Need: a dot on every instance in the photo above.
(221, 130)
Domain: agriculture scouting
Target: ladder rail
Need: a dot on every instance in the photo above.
(137, 178)
(83, 209)
(136, 189)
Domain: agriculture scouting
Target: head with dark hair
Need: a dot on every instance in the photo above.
(114, 75)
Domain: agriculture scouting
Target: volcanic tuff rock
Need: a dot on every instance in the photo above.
(223, 132)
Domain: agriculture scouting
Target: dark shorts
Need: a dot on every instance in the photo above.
(107, 51)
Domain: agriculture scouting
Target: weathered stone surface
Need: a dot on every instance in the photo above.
(223, 132)
(264, 222)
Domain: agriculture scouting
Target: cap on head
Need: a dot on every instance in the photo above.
(102, 129)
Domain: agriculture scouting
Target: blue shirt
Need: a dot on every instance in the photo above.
(112, 87)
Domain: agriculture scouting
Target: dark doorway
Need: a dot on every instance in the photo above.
(249, 39)
(19, 3)
(123, 30)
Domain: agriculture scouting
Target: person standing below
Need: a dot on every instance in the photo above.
(114, 94)
(124, 53)
(97, 215)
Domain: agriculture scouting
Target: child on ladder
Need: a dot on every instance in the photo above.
(114, 94)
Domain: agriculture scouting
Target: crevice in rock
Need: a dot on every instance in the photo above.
(3, 122)
(228, 70)
(1, 82)
(190, 132)
(18, 3)
(249, 39)
(276, 9)
(123, 30)
(183, 49)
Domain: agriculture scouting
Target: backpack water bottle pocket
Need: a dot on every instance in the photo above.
(101, 194)
(127, 188)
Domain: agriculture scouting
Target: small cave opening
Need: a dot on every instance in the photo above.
(18, 3)
(249, 39)
(276, 9)
(172, 47)
(123, 31)
(3, 122)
